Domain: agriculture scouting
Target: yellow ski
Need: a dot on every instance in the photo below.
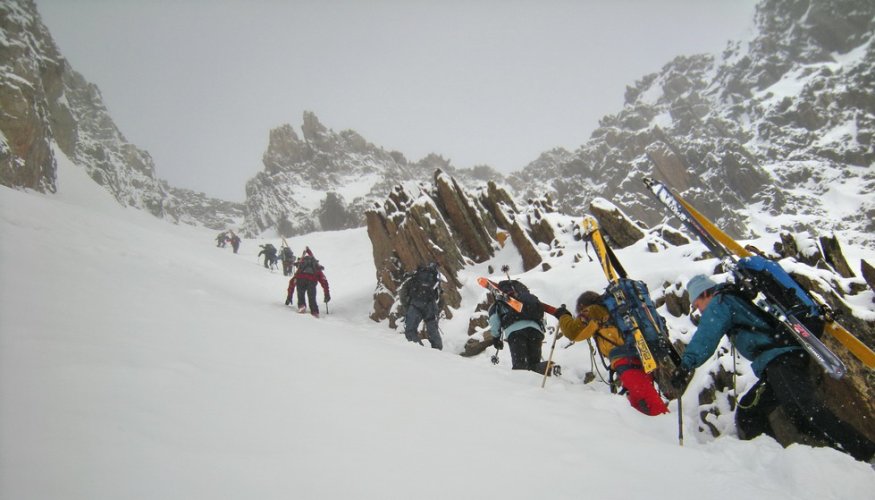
(592, 232)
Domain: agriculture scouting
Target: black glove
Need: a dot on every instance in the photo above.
(498, 343)
(288, 300)
(561, 311)
(680, 378)
(327, 298)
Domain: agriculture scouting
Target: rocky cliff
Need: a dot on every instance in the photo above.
(47, 105)
(781, 124)
(325, 180)
(445, 223)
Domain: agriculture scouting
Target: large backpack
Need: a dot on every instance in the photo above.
(532, 310)
(768, 276)
(627, 300)
(424, 285)
(308, 265)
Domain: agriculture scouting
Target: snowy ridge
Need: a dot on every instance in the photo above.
(780, 124)
(139, 361)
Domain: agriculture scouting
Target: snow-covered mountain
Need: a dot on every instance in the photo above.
(326, 179)
(139, 361)
(782, 123)
(47, 104)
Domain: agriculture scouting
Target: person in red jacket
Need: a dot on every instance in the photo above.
(308, 273)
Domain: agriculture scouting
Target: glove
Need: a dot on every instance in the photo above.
(288, 300)
(327, 298)
(680, 378)
(498, 343)
(561, 311)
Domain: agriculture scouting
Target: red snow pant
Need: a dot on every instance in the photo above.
(640, 391)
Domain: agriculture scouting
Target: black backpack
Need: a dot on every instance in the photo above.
(533, 310)
(424, 285)
(308, 265)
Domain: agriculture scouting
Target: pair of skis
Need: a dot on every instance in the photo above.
(730, 251)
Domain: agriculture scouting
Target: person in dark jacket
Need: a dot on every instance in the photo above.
(523, 331)
(421, 300)
(269, 252)
(235, 241)
(288, 257)
(778, 362)
(308, 273)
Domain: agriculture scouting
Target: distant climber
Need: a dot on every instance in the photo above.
(307, 274)
(235, 241)
(269, 252)
(288, 257)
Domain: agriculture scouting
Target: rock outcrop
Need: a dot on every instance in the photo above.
(441, 222)
(325, 180)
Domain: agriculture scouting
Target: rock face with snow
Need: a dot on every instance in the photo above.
(443, 222)
(782, 124)
(325, 180)
(46, 104)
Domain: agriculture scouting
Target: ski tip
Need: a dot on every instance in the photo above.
(483, 281)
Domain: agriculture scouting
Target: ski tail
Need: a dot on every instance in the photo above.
(855, 345)
(512, 302)
(507, 299)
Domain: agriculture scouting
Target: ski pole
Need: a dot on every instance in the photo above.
(680, 420)
(549, 361)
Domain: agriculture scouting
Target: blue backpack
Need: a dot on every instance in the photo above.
(768, 276)
(628, 299)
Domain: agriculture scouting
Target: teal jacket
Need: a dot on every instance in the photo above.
(752, 336)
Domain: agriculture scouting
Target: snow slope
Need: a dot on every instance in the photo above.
(137, 360)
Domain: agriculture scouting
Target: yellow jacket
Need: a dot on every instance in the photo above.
(595, 321)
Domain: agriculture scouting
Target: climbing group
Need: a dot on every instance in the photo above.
(768, 318)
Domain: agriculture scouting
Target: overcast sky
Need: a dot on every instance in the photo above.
(200, 83)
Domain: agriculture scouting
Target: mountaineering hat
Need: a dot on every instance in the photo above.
(699, 284)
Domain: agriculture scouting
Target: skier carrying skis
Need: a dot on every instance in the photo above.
(777, 361)
(422, 300)
(594, 320)
(308, 274)
(524, 330)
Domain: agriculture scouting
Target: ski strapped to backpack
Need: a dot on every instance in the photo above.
(768, 287)
(632, 309)
(507, 299)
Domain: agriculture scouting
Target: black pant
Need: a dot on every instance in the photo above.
(786, 384)
(525, 349)
(418, 312)
(309, 288)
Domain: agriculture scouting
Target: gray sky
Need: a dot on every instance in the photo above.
(200, 83)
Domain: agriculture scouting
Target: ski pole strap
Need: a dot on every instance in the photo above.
(756, 397)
